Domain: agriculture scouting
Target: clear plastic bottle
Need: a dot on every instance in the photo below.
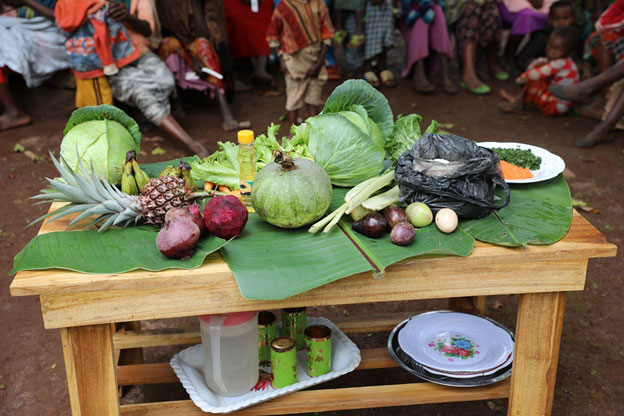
(247, 162)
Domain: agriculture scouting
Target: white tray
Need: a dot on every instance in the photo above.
(188, 366)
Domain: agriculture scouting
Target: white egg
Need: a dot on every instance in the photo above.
(446, 220)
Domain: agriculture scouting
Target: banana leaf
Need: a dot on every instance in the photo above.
(115, 251)
(274, 263)
(539, 213)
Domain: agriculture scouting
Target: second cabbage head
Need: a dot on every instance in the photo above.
(347, 139)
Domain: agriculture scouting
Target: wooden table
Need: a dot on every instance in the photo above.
(85, 306)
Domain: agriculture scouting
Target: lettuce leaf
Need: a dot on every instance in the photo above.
(221, 167)
(405, 132)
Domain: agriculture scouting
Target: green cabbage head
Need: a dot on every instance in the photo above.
(102, 136)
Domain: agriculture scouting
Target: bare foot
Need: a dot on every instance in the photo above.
(13, 121)
(510, 107)
(506, 96)
(574, 92)
(449, 86)
(600, 134)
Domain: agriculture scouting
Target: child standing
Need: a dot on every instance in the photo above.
(300, 32)
(379, 32)
(557, 68)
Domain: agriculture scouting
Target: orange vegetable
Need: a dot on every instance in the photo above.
(512, 172)
(209, 186)
(223, 188)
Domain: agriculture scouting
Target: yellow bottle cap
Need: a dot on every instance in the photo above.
(245, 136)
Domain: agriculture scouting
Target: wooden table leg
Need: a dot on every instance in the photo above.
(538, 334)
(90, 368)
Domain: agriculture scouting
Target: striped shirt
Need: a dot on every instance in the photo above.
(296, 24)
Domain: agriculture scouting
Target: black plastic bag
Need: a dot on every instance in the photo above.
(448, 171)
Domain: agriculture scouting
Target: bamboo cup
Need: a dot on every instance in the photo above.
(283, 362)
(318, 350)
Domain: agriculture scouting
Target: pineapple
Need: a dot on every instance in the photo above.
(89, 194)
(160, 195)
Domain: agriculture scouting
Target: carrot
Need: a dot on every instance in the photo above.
(209, 186)
(223, 188)
(512, 172)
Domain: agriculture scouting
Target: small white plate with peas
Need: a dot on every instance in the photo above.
(551, 164)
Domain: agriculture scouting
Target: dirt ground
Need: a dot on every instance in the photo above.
(589, 379)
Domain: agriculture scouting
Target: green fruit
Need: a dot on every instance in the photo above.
(419, 214)
(291, 193)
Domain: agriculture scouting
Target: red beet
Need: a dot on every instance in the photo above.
(225, 216)
(193, 212)
(178, 237)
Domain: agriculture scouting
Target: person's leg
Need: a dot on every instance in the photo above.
(582, 90)
(292, 117)
(513, 103)
(229, 122)
(440, 43)
(604, 58)
(419, 80)
(148, 84)
(511, 48)
(313, 110)
(468, 33)
(602, 132)
(260, 73)
(469, 62)
(13, 115)
(448, 85)
(171, 126)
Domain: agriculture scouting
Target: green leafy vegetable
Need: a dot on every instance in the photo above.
(359, 92)
(221, 167)
(102, 135)
(347, 154)
(405, 133)
(519, 157)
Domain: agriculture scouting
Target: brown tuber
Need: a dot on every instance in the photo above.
(402, 234)
(394, 215)
(371, 225)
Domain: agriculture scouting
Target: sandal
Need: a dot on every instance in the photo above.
(340, 36)
(356, 41)
(480, 90)
(371, 78)
(387, 78)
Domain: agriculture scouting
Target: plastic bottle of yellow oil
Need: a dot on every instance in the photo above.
(247, 162)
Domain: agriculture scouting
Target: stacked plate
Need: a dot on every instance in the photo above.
(453, 348)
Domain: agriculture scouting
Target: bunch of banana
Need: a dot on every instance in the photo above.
(133, 178)
(183, 171)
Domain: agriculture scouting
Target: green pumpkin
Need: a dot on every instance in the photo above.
(291, 193)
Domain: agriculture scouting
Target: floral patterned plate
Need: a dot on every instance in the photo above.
(453, 342)
(408, 364)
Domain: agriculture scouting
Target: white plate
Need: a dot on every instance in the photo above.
(455, 342)
(470, 374)
(552, 165)
(188, 366)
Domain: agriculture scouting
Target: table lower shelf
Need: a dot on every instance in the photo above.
(336, 399)
(318, 400)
